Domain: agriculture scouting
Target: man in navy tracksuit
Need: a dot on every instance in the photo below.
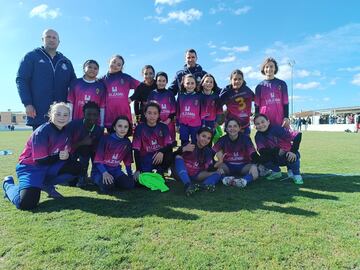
(189, 68)
(43, 77)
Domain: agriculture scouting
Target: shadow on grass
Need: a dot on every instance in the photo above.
(264, 195)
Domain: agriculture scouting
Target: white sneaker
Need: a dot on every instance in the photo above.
(240, 182)
(228, 180)
(290, 173)
(263, 172)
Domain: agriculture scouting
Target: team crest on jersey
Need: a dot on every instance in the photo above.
(97, 91)
(42, 61)
(198, 79)
(160, 133)
(114, 89)
(187, 108)
(163, 106)
(279, 87)
(196, 102)
(115, 156)
(122, 81)
(153, 142)
(64, 67)
(87, 98)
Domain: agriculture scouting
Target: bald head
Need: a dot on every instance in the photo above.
(50, 39)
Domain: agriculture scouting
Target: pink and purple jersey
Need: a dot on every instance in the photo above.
(198, 160)
(118, 86)
(238, 103)
(210, 106)
(236, 152)
(270, 97)
(81, 91)
(47, 140)
(166, 100)
(150, 139)
(275, 136)
(79, 132)
(188, 109)
(112, 150)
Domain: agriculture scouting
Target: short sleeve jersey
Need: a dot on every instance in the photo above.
(150, 139)
(270, 97)
(81, 92)
(236, 152)
(112, 150)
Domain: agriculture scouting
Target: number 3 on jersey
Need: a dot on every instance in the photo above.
(241, 102)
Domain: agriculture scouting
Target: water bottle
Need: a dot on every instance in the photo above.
(5, 152)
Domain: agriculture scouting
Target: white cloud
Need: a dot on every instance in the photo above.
(87, 19)
(227, 59)
(211, 45)
(44, 12)
(306, 86)
(356, 79)
(326, 99)
(219, 23)
(212, 53)
(242, 10)
(159, 10)
(182, 16)
(167, 2)
(350, 69)
(302, 73)
(157, 39)
(235, 49)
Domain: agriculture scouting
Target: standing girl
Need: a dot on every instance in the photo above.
(271, 95)
(152, 142)
(44, 162)
(188, 110)
(167, 103)
(238, 99)
(193, 164)
(278, 147)
(113, 149)
(142, 92)
(118, 85)
(86, 89)
(236, 154)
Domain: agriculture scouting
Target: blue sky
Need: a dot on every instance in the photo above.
(322, 37)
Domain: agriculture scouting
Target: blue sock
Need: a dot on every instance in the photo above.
(13, 194)
(249, 178)
(212, 179)
(181, 171)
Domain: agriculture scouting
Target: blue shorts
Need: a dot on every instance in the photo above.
(235, 169)
(30, 175)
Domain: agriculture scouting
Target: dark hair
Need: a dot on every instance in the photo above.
(152, 103)
(232, 119)
(207, 75)
(161, 73)
(148, 67)
(91, 105)
(260, 115)
(236, 72)
(182, 89)
(204, 129)
(120, 57)
(90, 61)
(121, 117)
(266, 61)
(191, 51)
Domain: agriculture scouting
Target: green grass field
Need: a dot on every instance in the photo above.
(267, 225)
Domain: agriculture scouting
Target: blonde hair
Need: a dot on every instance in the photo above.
(56, 105)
